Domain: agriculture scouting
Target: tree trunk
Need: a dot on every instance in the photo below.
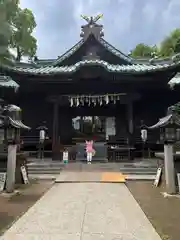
(19, 55)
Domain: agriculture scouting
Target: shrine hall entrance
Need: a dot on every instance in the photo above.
(105, 124)
(97, 123)
(98, 128)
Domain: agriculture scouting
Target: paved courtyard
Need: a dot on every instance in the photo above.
(84, 211)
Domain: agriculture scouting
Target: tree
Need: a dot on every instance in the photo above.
(22, 39)
(8, 11)
(142, 50)
(175, 107)
(171, 44)
(177, 46)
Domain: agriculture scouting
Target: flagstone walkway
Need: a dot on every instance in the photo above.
(84, 211)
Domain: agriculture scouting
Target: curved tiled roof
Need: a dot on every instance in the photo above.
(115, 51)
(104, 43)
(163, 122)
(109, 47)
(6, 81)
(175, 80)
(68, 53)
(127, 69)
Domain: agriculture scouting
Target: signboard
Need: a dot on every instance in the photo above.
(158, 177)
(24, 175)
(2, 181)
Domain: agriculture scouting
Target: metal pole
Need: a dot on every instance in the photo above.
(169, 168)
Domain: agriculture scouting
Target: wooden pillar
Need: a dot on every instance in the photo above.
(81, 124)
(130, 118)
(130, 130)
(55, 138)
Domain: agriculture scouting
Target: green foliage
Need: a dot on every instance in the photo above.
(142, 50)
(5, 31)
(171, 44)
(22, 39)
(168, 47)
(176, 107)
(16, 27)
(177, 46)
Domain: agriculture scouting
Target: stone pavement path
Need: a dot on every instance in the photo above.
(84, 211)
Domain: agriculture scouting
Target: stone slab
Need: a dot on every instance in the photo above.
(112, 177)
(140, 177)
(84, 211)
(43, 176)
(65, 177)
(71, 177)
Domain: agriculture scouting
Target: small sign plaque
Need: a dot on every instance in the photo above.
(65, 156)
(158, 177)
(2, 181)
(24, 175)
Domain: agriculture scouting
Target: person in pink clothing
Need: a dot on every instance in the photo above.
(89, 150)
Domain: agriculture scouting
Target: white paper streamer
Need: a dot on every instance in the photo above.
(96, 99)
(107, 99)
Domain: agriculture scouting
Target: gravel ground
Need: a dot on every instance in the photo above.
(163, 213)
(12, 207)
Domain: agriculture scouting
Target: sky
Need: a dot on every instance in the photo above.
(126, 22)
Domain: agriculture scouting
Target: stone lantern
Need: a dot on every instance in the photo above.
(169, 133)
(10, 123)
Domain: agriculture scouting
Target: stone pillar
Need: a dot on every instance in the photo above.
(169, 168)
(55, 138)
(11, 168)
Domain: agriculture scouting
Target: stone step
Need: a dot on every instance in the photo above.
(44, 171)
(138, 173)
(53, 170)
(45, 166)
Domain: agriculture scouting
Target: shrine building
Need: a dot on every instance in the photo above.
(93, 91)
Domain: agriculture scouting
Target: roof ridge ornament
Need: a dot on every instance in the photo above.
(93, 19)
(92, 28)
